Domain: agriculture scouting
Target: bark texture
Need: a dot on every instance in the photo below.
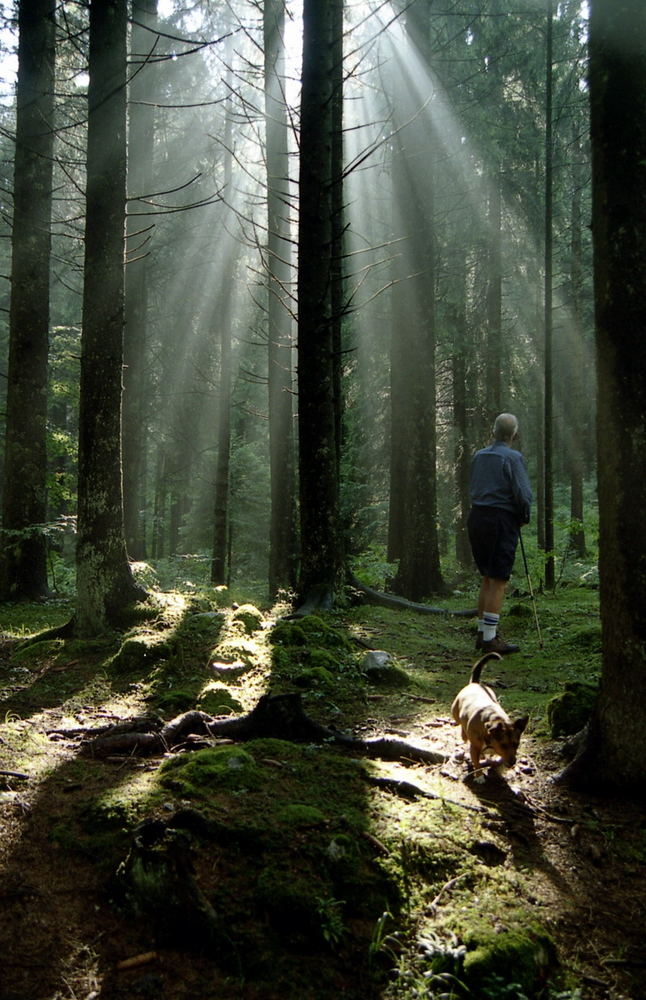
(105, 585)
(612, 751)
(141, 133)
(24, 558)
(321, 543)
(282, 539)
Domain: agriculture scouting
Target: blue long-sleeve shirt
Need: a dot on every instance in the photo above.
(499, 479)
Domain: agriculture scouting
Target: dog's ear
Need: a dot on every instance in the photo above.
(520, 724)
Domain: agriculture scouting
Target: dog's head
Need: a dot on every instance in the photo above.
(504, 737)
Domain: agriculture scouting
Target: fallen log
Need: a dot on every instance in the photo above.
(401, 604)
(277, 716)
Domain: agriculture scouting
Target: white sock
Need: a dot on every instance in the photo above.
(489, 626)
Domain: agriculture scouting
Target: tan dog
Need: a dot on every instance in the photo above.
(484, 722)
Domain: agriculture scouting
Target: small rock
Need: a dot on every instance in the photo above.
(229, 670)
(376, 659)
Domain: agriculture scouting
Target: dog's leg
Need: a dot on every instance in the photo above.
(476, 747)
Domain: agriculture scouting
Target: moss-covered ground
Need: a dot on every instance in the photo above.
(272, 870)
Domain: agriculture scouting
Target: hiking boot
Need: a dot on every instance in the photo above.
(498, 645)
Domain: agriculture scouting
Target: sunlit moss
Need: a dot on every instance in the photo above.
(230, 768)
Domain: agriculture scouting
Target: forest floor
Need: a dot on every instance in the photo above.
(271, 870)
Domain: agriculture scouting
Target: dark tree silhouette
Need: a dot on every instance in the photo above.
(23, 564)
(612, 753)
(321, 545)
(105, 585)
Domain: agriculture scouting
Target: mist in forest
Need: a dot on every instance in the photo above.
(442, 259)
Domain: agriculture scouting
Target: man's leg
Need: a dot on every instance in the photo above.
(492, 595)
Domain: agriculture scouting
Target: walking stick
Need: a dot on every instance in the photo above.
(531, 592)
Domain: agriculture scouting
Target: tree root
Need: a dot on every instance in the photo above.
(314, 600)
(277, 716)
(65, 631)
(401, 604)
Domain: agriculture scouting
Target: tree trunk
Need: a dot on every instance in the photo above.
(159, 506)
(493, 387)
(337, 291)
(219, 560)
(282, 531)
(321, 571)
(23, 566)
(419, 572)
(576, 394)
(220, 554)
(398, 407)
(460, 427)
(612, 753)
(141, 132)
(105, 585)
(548, 483)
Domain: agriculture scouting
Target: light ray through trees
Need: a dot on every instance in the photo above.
(377, 132)
(446, 108)
(435, 118)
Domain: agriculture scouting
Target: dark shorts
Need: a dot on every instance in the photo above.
(493, 534)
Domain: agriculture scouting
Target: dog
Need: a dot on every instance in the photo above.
(485, 724)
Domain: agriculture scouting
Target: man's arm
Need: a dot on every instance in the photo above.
(521, 489)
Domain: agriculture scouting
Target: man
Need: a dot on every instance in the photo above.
(501, 499)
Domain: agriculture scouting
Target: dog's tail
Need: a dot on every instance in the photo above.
(477, 667)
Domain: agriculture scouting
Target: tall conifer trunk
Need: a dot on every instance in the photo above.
(282, 542)
(493, 386)
(613, 752)
(337, 290)
(23, 560)
(577, 366)
(105, 585)
(419, 573)
(548, 400)
(220, 568)
(462, 453)
(141, 132)
(321, 571)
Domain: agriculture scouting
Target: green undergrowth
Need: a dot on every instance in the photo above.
(317, 875)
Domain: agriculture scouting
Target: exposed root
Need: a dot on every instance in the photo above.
(401, 604)
(277, 716)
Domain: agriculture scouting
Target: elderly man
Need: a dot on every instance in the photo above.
(501, 499)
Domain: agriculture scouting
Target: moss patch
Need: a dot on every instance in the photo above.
(35, 655)
(510, 959)
(196, 774)
(137, 653)
(216, 699)
(310, 631)
(314, 655)
(249, 617)
(567, 713)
